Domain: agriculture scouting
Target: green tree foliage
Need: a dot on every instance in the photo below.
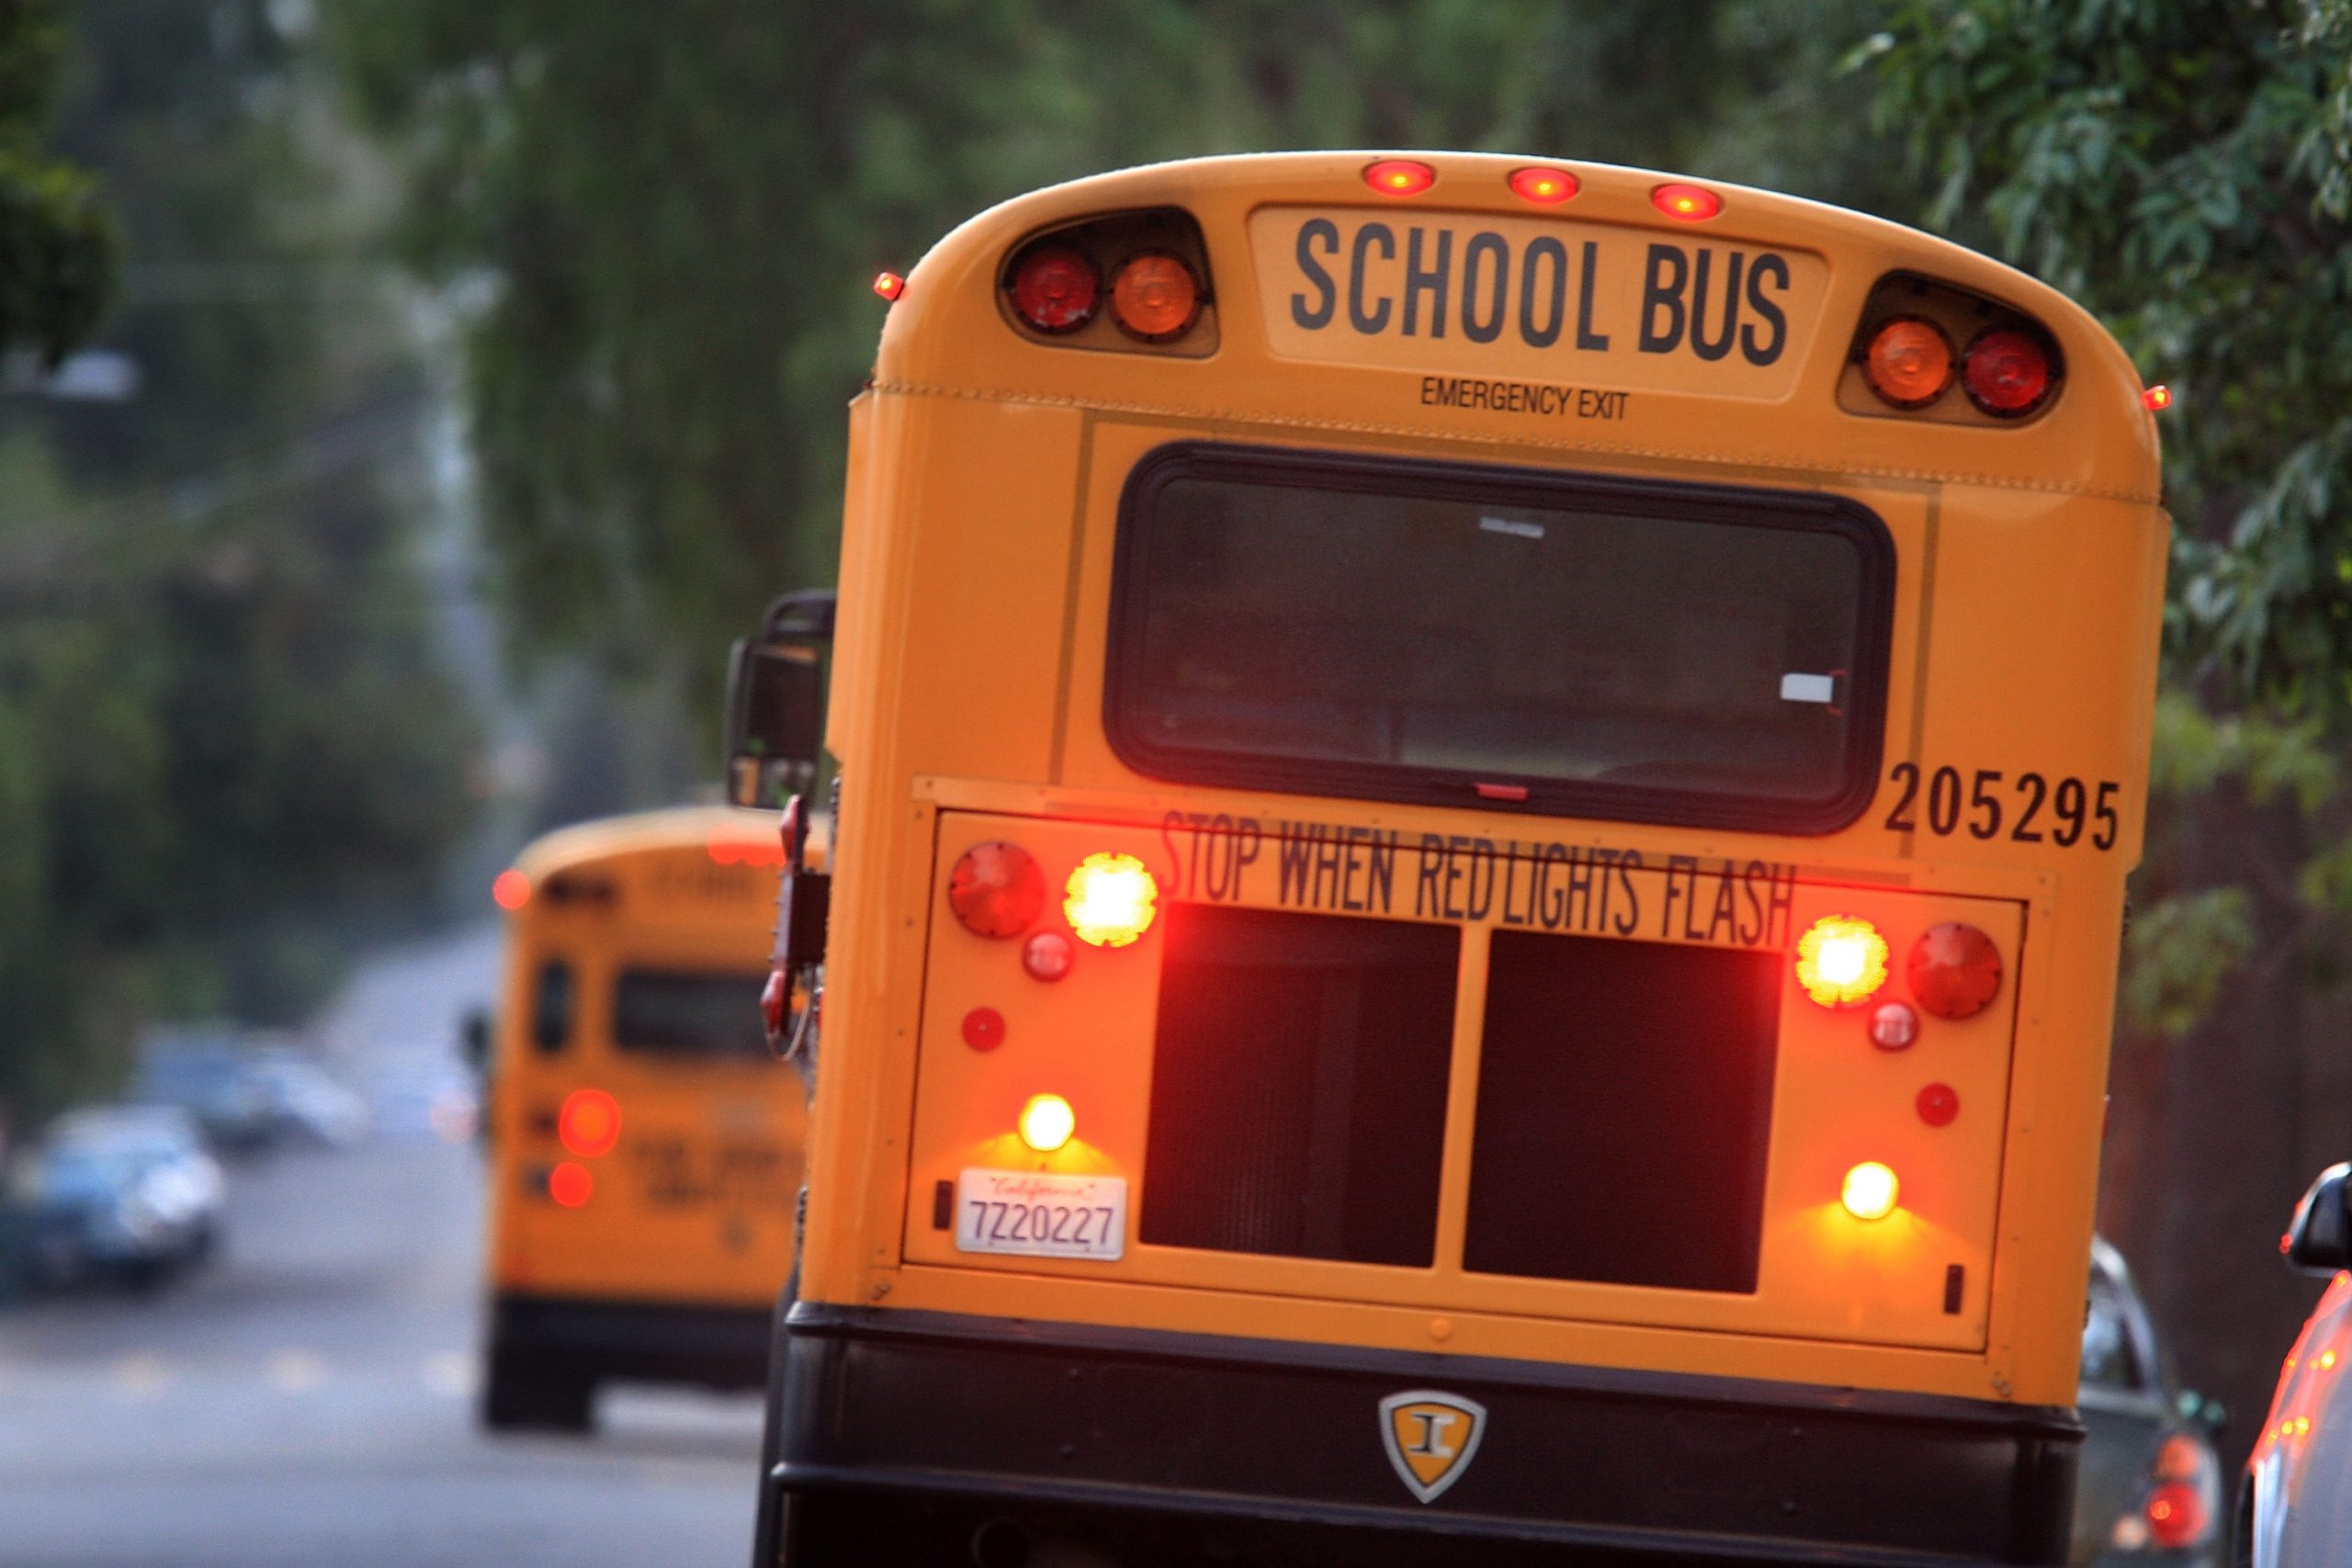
(671, 214)
(57, 247)
(223, 735)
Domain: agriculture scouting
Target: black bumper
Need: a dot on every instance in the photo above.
(902, 1436)
(716, 1346)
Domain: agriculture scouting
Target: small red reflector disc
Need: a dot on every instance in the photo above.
(1546, 187)
(984, 1029)
(890, 285)
(1938, 1104)
(1055, 288)
(1955, 970)
(1155, 296)
(2005, 372)
(1400, 177)
(1692, 204)
(996, 889)
(570, 1184)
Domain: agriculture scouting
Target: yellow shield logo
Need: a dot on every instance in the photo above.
(1430, 1437)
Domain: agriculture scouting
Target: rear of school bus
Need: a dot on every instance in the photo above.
(644, 1151)
(1479, 885)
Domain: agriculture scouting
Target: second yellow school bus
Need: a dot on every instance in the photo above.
(1484, 813)
(644, 1153)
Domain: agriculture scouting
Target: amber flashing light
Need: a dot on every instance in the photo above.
(1111, 900)
(1400, 177)
(1155, 296)
(1841, 961)
(1908, 363)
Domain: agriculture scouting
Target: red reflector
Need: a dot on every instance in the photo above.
(1502, 792)
(1692, 204)
(2005, 372)
(774, 997)
(2156, 398)
(590, 1123)
(1400, 177)
(984, 1029)
(1544, 186)
(1155, 296)
(1938, 1103)
(570, 1184)
(2176, 1515)
(1955, 970)
(511, 891)
(1055, 288)
(996, 889)
(890, 285)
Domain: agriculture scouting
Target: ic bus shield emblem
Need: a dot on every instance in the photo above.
(1430, 1437)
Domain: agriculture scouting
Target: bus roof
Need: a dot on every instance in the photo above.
(946, 334)
(647, 832)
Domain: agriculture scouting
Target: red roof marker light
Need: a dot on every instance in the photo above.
(1547, 188)
(1400, 177)
(1692, 204)
(2156, 398)
(890, 285)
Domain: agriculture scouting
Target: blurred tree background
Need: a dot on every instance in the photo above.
(221, 703)
(226, 745)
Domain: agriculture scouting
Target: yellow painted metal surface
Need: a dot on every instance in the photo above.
(693, 1204)
(985, 474)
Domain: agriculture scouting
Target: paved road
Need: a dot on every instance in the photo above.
(307, 1401)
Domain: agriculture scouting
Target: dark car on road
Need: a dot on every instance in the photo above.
(2295, 1510)
(219, 1084)
(128, 1196)
(2150, 1490)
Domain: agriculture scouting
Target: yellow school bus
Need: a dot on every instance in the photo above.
(644, 1153)
(1484, 813)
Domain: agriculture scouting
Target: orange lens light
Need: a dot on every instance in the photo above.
(1047, 1122)
(1841, 961)
(1400, 177)
(890, 285)
(1155, 296)
(1692, 204)
(1908, 363)
(590, 1123)
(1871, 1192)
(996, 889)
(1546, 187)
(511, 891)
(570, 1184)
(1110, 899)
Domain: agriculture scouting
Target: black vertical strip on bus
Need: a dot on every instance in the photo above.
(1498, 485)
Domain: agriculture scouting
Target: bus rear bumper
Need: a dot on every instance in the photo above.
(648, 1341)
(912, 1438)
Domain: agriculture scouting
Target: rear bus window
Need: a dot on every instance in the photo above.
(671, 1013)
(1695, 654)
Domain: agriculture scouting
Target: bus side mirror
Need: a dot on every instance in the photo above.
(2319, 1238)
(776, 702)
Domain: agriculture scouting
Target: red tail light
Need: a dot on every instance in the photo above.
(1055, 288)
(2005, 372)
(590, 1123)
(511, 891)
(1155, 296)
(996, 889)
(2176, 1515)
(1955, 970)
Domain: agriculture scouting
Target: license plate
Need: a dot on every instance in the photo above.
(1037, 1214)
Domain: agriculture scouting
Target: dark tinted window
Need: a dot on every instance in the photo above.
(553, 1004)
(1298, 1085)
(1655, 652)
(681, 1013)
(1625, 1108)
